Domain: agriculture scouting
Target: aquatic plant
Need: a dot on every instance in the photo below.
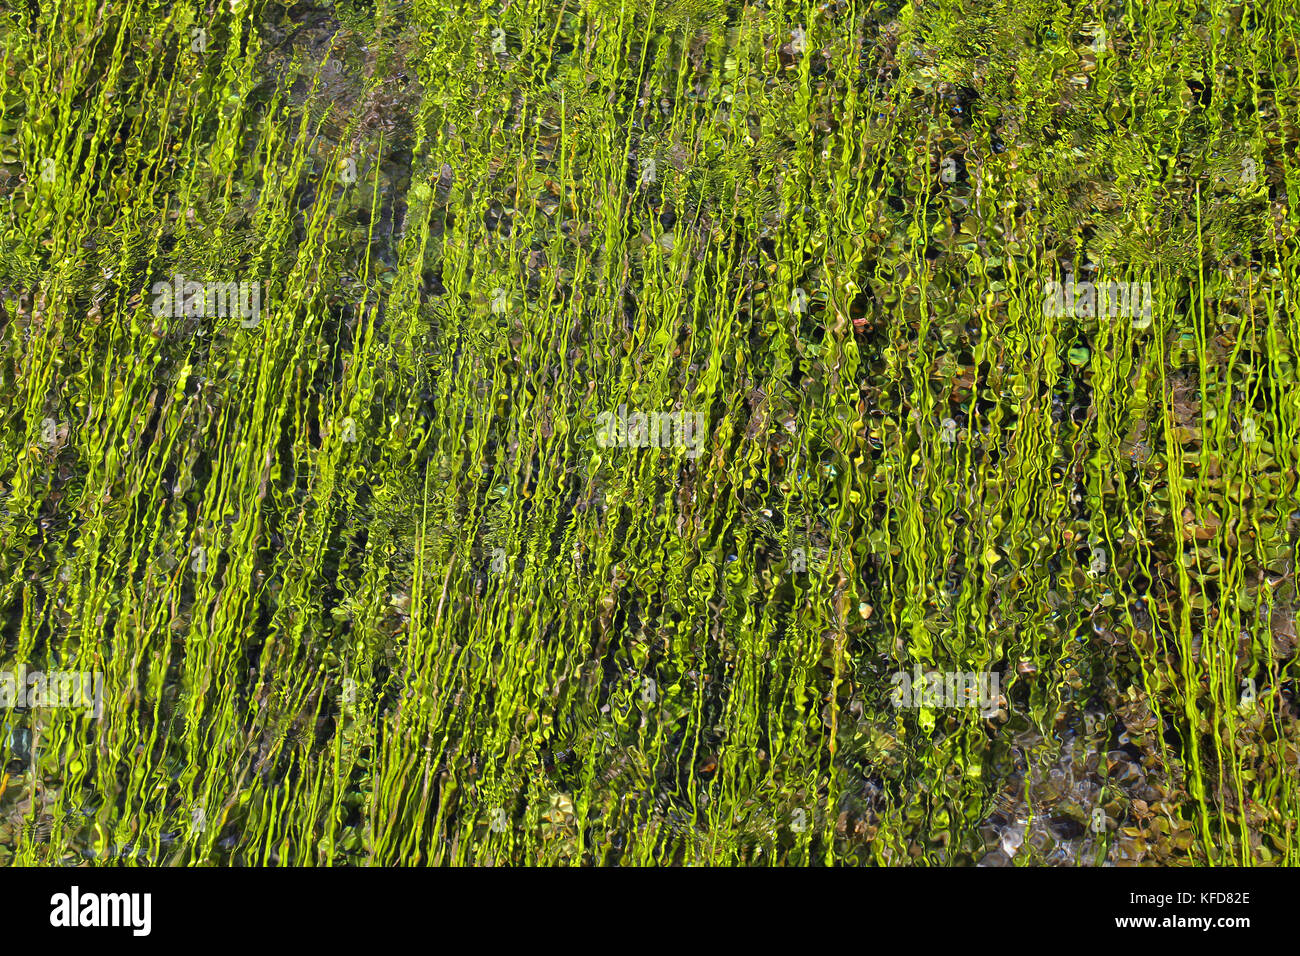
(363, 585)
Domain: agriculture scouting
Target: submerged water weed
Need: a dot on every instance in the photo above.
(376, 578)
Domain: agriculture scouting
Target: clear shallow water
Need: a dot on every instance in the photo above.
(363, 585)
